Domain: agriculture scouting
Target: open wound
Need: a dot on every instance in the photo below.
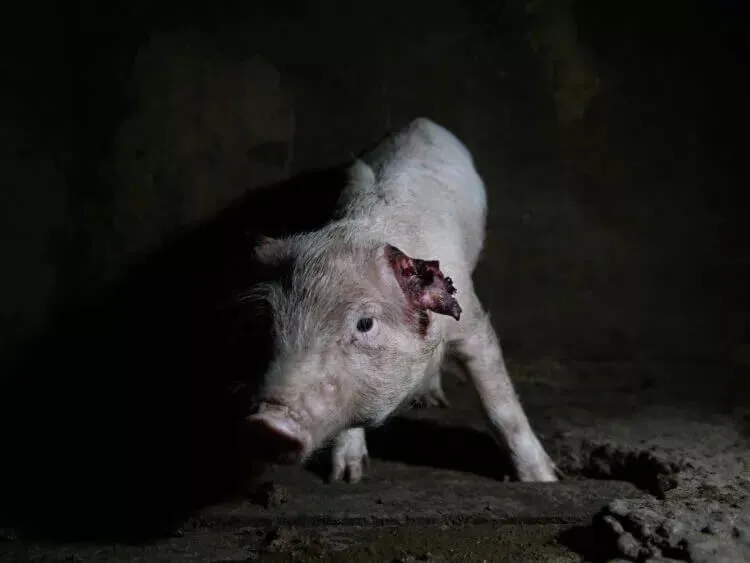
(423, 284)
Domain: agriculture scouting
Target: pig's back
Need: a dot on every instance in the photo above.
(420, 189)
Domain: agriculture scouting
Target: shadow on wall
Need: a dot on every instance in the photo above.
(124, 413)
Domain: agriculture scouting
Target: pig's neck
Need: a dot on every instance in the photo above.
(372, 230)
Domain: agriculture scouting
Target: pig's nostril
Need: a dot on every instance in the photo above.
(279, 439)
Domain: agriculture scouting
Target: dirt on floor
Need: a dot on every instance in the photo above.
(656, 468)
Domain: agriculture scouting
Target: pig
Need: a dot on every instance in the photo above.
(366, 310)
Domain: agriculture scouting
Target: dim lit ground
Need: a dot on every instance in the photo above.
(656, 449)
(615, 272)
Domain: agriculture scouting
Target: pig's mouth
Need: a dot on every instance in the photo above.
(279, 437)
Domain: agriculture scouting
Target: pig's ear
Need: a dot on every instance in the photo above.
(423, 284)
(273, 251)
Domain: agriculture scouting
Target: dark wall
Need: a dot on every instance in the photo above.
(606, 137)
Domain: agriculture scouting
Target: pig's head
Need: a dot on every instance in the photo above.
(352, 336)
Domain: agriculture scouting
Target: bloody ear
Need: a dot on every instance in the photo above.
(423, 284)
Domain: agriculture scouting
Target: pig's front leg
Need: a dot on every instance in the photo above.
(480, 353)
(349, 455)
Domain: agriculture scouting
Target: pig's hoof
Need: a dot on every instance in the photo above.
(349, 456)
(350, 470)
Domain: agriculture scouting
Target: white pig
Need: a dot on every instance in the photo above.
(370, 306)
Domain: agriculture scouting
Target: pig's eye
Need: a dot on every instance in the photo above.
(365, 324)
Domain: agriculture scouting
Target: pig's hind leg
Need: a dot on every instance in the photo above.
(479, 352)
(349, 455)
(432, 395)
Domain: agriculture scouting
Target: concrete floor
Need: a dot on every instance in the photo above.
(653, 468)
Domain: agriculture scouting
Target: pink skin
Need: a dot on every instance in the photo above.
(425, 288)
(285, 440)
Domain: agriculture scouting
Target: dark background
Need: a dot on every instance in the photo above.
(610, 136)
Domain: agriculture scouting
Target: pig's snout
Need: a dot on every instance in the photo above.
(279, 437)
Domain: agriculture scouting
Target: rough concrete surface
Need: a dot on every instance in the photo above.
(649, 474)
(615, 271)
